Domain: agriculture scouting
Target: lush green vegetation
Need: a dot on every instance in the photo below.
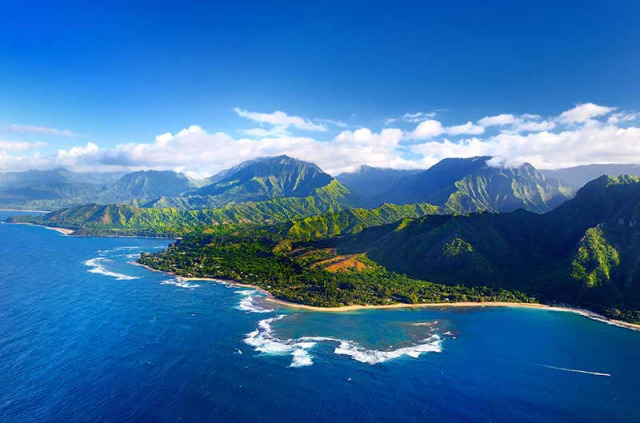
(126, 220)
(300, 276)
(586, 252)
(469, 185)
(310, 245)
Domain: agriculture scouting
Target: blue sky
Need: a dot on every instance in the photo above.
(122, 74)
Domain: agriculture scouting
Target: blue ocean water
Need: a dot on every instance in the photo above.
(87, 336)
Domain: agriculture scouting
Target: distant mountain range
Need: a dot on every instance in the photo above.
(577, 177)
(56, 188)
(452, 185)
(461, 186)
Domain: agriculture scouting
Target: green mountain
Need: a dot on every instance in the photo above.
(348, 221)
(255, 180)
(472, 185)
(123, 219)
(586, 251)
(267, 178)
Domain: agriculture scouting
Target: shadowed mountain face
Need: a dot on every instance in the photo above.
(369, 182)
(149, 184)
(471, 185)
(586, 251)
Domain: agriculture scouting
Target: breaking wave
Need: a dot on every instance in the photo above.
(97, 266)
(180, 283)
(264, 340)
(247, 303)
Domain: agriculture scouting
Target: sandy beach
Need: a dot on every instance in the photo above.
(63, 231)
(26, 210)
(270, 298)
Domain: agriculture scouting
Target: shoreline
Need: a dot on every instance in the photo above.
(26, 210)
(272, 299)
(66, 231)
(63, 231)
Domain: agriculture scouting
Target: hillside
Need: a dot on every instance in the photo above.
(584, 252)
(348, 221)
(471, 185)
(122, 219)
(267, 178)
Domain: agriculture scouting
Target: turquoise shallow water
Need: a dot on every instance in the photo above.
(87, 336)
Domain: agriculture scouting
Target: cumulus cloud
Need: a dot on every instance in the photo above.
(582, 135)
(583, 113)
(498, 120)
(432, 128)
(466, 129)
(589, 144)
(513, 123)
(426, 129)
(39, 130)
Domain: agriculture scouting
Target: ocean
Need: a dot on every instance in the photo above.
(86, 336)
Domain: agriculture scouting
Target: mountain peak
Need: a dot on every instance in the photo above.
(267, 177)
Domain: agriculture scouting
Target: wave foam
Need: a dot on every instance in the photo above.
(431, 344)
(247, 303)
(180, 283)
(263, 340)
(97, 266)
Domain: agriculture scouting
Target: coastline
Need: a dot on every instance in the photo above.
(26, 210)
(272, 299)
(66, 231)
(63, 231)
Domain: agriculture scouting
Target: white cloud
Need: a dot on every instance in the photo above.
(19, 145)
(594, 136)
(499, 120)
(466, 129)
(432, 128)
(513, 123)
(411, 117)
(589, 144)
(426, 129)
(583, 113)
(622, 117)
(39, 130)
(280, 119)
(388, 137)
(533, 126)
